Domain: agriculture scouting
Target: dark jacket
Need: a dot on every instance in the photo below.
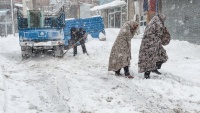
(79, 33)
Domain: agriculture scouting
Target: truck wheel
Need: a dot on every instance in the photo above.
(26, 56)
(26, 52)
(58, 51)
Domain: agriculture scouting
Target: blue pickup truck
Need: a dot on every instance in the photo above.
(44, 33)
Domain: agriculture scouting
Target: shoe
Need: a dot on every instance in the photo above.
(129, 76)
(147, 75)
(118, 74)
(85, 52)
(159, 64)
(157, 72)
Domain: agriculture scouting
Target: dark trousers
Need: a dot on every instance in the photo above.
(126, 71)
(82, 42)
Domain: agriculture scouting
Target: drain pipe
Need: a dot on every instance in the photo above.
(24, 8)
(127, 10)
(13, 24)
(156, 6)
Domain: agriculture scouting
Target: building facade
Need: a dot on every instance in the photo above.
(183, 19)
(6, 17)
(76, 8)
(116, 12)
(115, 16)
(101, 2)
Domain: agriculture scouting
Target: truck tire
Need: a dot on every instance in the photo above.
(26, 52)
(58, 51)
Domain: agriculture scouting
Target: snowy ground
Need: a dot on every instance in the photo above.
(82, 84)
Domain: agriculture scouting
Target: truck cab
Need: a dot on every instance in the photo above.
(39, 32)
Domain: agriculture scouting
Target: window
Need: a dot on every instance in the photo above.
(111, 10)
(124, 9)
(112, 24)
(117, 20)
(123, 18)
(145, 23)
(141, 18)
(141, 23)
(118, 9)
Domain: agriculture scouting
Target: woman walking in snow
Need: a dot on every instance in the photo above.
(152, 55)
(120, 55)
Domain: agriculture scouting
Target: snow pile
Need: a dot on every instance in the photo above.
(82, 84)
(102, 37)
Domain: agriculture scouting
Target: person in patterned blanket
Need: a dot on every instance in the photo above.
(152, 54)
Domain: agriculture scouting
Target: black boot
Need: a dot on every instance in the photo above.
(159, 64)
(126, 72)
(147, 75)
(117, 73)
(157, 72)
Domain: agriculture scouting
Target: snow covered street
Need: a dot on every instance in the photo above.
(82, 84)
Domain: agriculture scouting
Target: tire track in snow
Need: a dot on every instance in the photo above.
(41, 82)
(4, 90)
(54, 95)
(155, 102)
(139, 93)
(173, 78)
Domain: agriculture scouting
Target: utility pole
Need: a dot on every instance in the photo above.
(127, 10)
(24, 8)
(34, 4)
(13, 23)
(92, 2)
(78, 5)
(31, 5)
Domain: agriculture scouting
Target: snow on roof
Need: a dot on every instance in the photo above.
(18, 4)
(108, 5)
(3, 11)
(86, 4)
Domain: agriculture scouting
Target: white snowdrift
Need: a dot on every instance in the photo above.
(82, 84)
